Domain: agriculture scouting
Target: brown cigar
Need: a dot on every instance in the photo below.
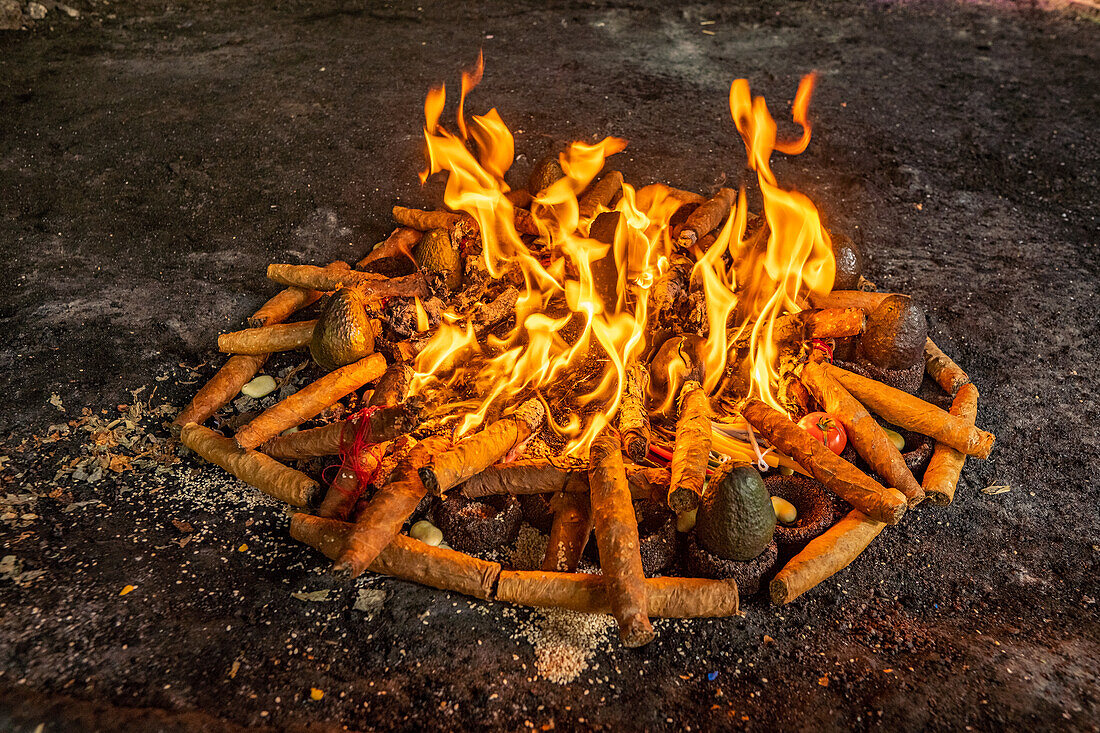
(252, 467)
(601, 194)
(399, 243)
(865, 301)
(913, 413)
(616, 530)
(268, 339)
(633, 417)
(942, 369)
(707, 217)
(571, 528)
(826, 554)
(382, 425)
(942, 475)
(692, 449)
(839, 476)
(309, 401)
(331, 278)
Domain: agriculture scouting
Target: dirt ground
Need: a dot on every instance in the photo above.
(155, 157)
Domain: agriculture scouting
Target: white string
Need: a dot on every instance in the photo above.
(761, 464)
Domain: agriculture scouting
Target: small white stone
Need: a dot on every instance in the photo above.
(685, 521)
(37, 11)
(426, 532)
(259, 387)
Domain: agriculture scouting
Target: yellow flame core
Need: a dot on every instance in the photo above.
(580, 322)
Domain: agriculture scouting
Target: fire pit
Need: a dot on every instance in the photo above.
(621, 352)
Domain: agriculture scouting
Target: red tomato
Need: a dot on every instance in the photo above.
(827, 429)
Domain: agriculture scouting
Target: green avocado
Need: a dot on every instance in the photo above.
(436, 253)
(545, 173)
(895, 333)
(343, 333)
(735, 520)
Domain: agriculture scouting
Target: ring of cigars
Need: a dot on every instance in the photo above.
(627, 359)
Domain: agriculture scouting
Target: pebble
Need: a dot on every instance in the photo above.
(426, 532)
(261, 386)
(685, 521)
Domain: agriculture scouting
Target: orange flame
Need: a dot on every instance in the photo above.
(582, 315)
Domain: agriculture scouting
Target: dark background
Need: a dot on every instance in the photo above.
(155, 157)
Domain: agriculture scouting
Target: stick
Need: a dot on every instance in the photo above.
(267, 339)
(706, 218)
(842, 478)
(865, 301)
(617, 539)
(692, 449)
(310, 401)
(474, 454)
(824, 556)
(383, 425)
(601, 194)
(391, 505)
(252, 467)
(633, 416)
(942, 369)
(868, 437)
(404, 558)
(330, 278)
(586, 593)
(913, 413)
(400, 242)
(571, 528)
(942, 475)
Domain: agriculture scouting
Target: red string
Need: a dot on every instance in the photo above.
(351, 455)
(824, 346)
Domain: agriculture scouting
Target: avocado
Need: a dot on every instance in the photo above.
(895, 334)
(436, 253)
(849, 263)
(343, 333)
(679, 359)
(545, 173)
(735, 520)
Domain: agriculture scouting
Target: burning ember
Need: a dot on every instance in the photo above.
(596, 358)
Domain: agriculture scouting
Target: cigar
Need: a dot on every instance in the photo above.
(633, 416)
(331, 278)
(393, 387)
(343, 492)
(385, 514)
(399, 243)
(792, 393)
(646, 196)
(692, 449)
(587, 593)
(427, 220)
(382, 425)
(519, 198)
(913, 413)
(310, 401)
(819, 323)
(824, 556)
(942, 369)
(550, 475)
(474, 454)
(404, 558)
(252, 467)
(706, 218)
(268, 339)
(839, 476)
(942, 475)
(868, 437)
(616, 530)
(571, 527)
(284, 304)
(601, 194)
(865, 301)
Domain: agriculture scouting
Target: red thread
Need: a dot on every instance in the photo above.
(825, 347)
(361, 445)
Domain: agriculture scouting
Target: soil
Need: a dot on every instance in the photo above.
(156, 157)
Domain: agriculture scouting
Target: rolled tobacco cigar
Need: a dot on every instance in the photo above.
(587, 593)
(342, 494)
(474, 454)
(633, 416)
(600, 194)
(424, 221)
(869, 438)
(571, 528)
(285, 303)
(400, 242)
(377, 426)
(913, 413)
(252, 467)
(824, 556)
(310, 400)
(550, 475)
(332, 278)
(385, 514)
(849, 299)
(404, 558)
(942, 475)
(616, 530)
(842, 478)
(267, 339)
(942, 369)
(692, 449)
(706, 218)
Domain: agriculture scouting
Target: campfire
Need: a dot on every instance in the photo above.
(716, 394)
